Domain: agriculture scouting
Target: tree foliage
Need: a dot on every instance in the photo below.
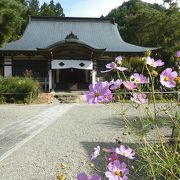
(11, 19)
(51, 9)
(14, 16)
(150, 25)
(45, 10)
(33, 7)
(59, 10)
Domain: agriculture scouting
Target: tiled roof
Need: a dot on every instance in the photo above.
(99, 33)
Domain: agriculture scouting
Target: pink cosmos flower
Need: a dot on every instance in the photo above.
(129, 85)
(138, 78)
(115, 85)
(113, 157)
(117, 171)
(178, 54)
(127, 152)
(118, 60)
(115, 65)
(167, 78)
(96, 152)
(83, 176)
(98, 93)
(139, 98)
(151, 62)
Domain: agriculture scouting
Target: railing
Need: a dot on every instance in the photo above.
(43, 81)
(168, 92)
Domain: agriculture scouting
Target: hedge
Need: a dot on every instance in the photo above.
(17, 89)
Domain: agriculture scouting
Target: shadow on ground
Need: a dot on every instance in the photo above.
(113, 123)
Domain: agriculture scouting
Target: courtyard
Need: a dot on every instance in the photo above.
(36, 139)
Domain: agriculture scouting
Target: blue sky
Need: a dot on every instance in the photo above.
(91, 8)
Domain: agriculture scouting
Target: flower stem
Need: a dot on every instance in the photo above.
(153, 94)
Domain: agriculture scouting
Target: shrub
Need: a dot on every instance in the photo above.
(17, 89)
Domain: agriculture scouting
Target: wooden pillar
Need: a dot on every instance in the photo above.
(93, 76)
(94, 72)
(50, 79)
(86, 76)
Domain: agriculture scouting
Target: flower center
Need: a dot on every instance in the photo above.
(153, 63)
(125, 152)
(166, 78)
(114, 158)
(119, 63)
(118, 173)
(137, 80)
(96, 94)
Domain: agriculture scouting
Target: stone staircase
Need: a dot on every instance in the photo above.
(69, 97)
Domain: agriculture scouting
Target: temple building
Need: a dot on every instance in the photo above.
(65, 53)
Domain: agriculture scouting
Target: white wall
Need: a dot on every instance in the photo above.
(7, 66)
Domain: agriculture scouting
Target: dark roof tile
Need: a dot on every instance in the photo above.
(101, 33)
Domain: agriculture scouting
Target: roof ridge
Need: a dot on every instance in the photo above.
(84, 19)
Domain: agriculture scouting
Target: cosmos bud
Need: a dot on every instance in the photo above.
(148, 53)
(177, 80)
(154, 73)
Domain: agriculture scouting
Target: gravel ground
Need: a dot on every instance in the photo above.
(12, 113)
(70, 139)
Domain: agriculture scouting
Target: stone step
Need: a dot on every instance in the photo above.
(69, 98)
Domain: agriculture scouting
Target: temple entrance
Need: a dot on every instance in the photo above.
(71, 75)
(71, 79)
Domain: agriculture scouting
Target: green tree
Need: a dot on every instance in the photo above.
(150, 25)
(52, 6)
(10, 20)
(59, 10)
(169, 32)
(33, 7)
(51, 9)
(46, 11)
(129, 11)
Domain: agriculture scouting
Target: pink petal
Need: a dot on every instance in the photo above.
(159, 62)
(122, 148)
(174, 74)
(106, 71)
(119, 58)
(110, 167)
(110, 175)
(82, 176)
(121, 68)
